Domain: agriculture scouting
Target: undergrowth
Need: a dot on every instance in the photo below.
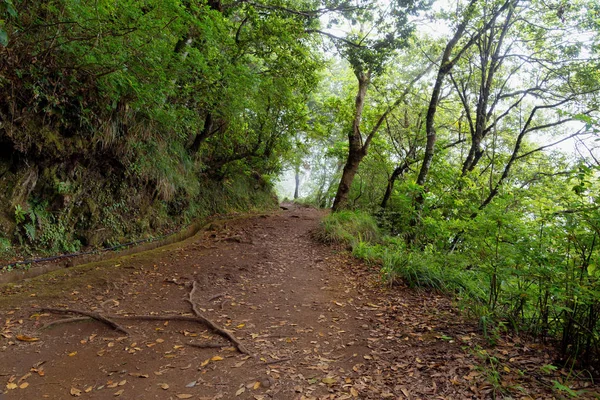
(348, 228)
(496, 288)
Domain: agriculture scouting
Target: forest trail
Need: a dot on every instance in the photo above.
(317, 323)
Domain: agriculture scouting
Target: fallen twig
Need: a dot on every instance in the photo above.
(90, 314)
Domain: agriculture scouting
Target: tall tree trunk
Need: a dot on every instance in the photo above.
(356, 150)
(297, 178)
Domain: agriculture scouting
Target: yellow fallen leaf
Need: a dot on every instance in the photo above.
(23, 385)
(184, 396)
(205, 363)
(160, 340)
(72, 354)
(75, 392)
(25, 338)
(506, 369)
(88, 389)
(164, 386)
(353, 392)
(112, 385)
(120, 392)
(256, 385)
(240, 391)
(122, 382)
(329, 381)
(217, 358)
(11, 386)
(240, 326)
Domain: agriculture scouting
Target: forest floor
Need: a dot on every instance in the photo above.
(317, 324)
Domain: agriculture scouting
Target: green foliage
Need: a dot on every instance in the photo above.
(348, 228)
(125, 119)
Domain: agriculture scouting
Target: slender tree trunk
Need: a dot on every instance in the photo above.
(356, 150)
(447, 63)
(350, 169)
(398, 172)
(297, 177)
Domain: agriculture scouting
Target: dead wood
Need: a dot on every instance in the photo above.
(90, 314)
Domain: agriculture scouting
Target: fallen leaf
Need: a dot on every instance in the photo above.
(256, 385)
(240, 391)
(24, 377)
(329, 381)
(88, 389)
(75, 392)
(24, 338)
(120, 392)
(122, 382)
(23, 385)
(217, 358)
(138, 375)
(11, 386)
(164, 386)
(72, 354)
(184, 396)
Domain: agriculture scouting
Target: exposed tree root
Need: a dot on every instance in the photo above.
(90, 314)
(222, 332)
(207, 345)
(108, 320)
(64, 321)
(216, 296)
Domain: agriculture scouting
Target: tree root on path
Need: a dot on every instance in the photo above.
(222, 332)
(108, 320)
(96, 316)
(64, 321)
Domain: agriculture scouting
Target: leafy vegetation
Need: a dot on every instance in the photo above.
(467, 179)
(124, 119)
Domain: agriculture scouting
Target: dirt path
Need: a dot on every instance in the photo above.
(318, 325)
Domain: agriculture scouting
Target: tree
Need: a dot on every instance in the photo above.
(368, 57)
